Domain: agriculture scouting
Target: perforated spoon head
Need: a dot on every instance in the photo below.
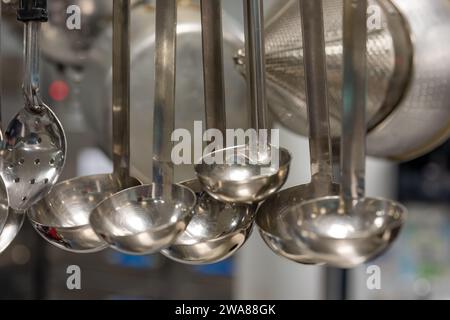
(35, 154)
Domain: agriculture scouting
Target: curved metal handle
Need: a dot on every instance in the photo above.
(121, 89)
(164, 109)
(316, 89)
(31, 85)
(353, 140)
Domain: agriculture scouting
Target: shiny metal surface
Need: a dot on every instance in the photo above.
(424, 105)
(215, 232)
(62, 217)
(403, 80)
(10, 220)
(347, 230)
(139, 221)
(217, 229)
(286, 78)
(189, 78)
(11, 228)
(249, 182)
(35, 143)
(354, 101)
(274, 220)
(255, 63)
(273, 217)
(213, 73)
(164, 102)
(148, 218)
(350, 238)
(4, 205)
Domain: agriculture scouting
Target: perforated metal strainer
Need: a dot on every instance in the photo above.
(407, 72)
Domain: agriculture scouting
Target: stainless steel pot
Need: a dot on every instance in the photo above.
(96, 84)
(409, 73)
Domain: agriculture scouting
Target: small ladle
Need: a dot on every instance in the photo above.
(217, 229)
(62, 217)
(250, 172)
(275, 214)
(347, 230)
(148, 218)
(35, 143)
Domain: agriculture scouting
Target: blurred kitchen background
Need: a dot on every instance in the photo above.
(77, 84)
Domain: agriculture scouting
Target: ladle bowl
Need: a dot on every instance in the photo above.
(140, 221)
(273, 221)
(62, 217)
(34, 156)
(345, 238)
(216, 231)
(242, 177)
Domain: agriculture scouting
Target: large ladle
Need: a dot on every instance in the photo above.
(275, 214)
(148, 218)
(34, 140)
(62, 217)
(350, 229)
(217, 229)
(10, 220)
(250, 172)
(4, 205)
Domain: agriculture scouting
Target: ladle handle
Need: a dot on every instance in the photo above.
(164, 109)
(31, 84)
(316, 89)
(121, 89)
(353, 142)
(213, 74)
(255, 62)
(32, 13)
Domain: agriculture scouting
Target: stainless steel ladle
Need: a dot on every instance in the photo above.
(62, 217)
(217, 229)
(10, 220)
(148, 218)
(4, 205)
(34, 140)
(248, 173)
(276, 213)
(350, 229)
